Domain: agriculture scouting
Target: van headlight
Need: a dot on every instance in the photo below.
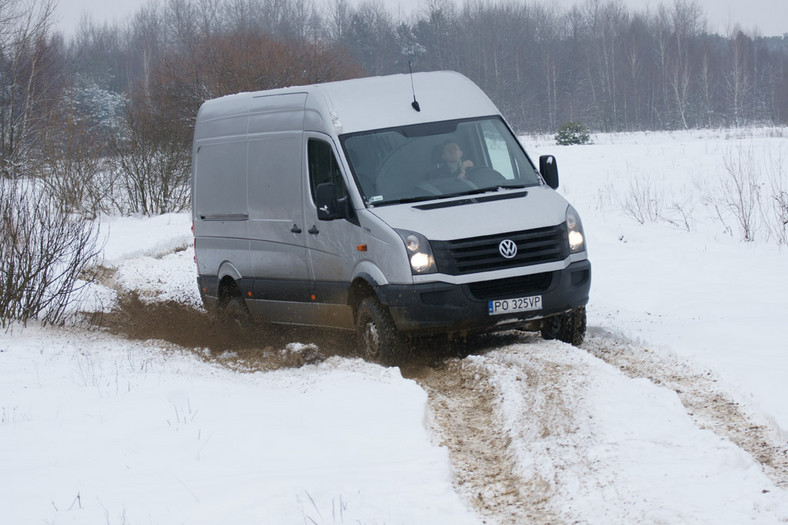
(577, 241)
(419, 252)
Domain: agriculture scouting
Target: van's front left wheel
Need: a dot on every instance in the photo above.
(378, 337)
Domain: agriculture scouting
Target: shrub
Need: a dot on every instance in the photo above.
(153, 163)
(45, 254)
(572, 133)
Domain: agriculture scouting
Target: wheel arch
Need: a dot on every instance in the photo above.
(361, 287)
(228, 282)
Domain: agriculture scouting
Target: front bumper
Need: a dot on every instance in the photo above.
(442, 307)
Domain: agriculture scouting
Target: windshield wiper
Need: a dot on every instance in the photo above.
(477, 191)
(406, 200)
(421, 198)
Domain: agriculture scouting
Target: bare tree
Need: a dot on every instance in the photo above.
(686, 19)
(24, 84)
(337, 20)
(738, 79)
(371, 38)
(605, 23)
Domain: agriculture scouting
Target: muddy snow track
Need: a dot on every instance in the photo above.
(466, 398)
(465, 387)
(709, 406)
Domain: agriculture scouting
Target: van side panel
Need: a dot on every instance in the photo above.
(219, 202)
(276, 219)
(221, 175)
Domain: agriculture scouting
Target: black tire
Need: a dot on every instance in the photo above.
(377, 335)
(235, 315)
(569, 327)
(550, 327)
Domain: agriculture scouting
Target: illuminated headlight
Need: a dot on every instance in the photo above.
(419, 252)
(420, 262)
(574, 228)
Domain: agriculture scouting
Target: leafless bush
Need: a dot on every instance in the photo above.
(74, 169)
(45, 254)
(679, 214)
(154, 165)
(82, 184)
(156, 180)
(740, 192)
(72, 158)
(777, 212)
(780, 209)
(753, 195)
(648, 202)
(644, 201)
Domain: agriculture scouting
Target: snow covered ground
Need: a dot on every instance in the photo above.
(95, 428)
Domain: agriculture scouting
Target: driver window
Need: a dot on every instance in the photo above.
(323, 167)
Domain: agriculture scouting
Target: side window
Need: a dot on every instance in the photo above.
(323, 167)
(498, 150)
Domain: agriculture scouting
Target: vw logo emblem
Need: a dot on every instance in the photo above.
(508, 248)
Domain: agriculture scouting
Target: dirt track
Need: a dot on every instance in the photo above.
(708, 406)
(463, 395)
(463, 402)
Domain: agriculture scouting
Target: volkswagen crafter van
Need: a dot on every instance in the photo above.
(393, 206)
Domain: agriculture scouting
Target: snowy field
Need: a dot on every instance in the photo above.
(98, 429)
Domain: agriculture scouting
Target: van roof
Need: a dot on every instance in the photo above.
(381, 102)
(375, 102)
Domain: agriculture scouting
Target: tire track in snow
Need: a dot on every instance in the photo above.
(462, 401)
(709, 407)
(466, 403)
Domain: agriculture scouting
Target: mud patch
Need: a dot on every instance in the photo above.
(462, 403)
(465, 397)
(709, 407)
(258, 347)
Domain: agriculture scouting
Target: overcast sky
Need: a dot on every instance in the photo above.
(769, 16)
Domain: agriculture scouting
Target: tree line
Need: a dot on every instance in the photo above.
(112, 90)
(597, 61)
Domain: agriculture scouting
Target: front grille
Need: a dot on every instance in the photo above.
(523, 285)
(481, 254)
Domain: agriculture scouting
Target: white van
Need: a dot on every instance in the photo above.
(392, 206)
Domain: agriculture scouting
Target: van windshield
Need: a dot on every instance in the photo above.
(437, 160)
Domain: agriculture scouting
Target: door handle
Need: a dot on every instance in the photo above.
(313, 230)
(295, 229)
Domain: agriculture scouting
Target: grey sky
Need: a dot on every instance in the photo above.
(769, 16)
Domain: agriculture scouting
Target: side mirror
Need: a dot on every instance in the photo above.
(328, 208)
(548, 167)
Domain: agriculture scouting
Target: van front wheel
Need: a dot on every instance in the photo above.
(569, 327)
(378, 337)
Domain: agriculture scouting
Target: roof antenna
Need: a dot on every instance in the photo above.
(414, 104)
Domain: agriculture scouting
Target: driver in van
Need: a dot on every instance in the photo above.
(452, 164)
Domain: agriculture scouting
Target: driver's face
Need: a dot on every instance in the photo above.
(452, 153)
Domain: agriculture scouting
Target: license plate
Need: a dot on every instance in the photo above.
(518, 304)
